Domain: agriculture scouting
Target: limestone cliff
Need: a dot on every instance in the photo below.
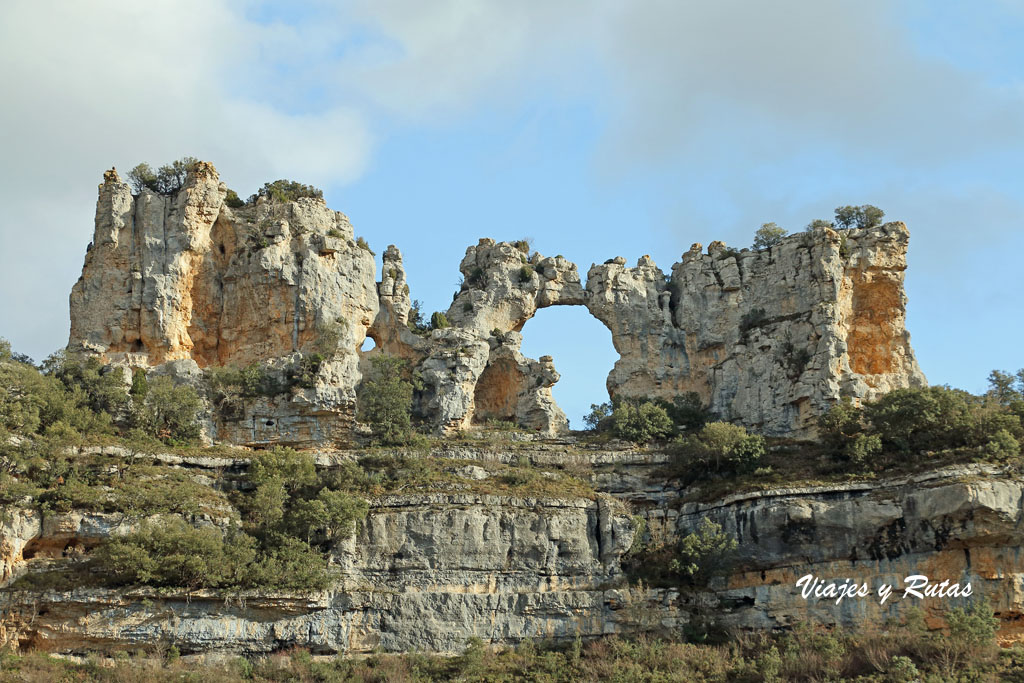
(427, 571)
(768, 339)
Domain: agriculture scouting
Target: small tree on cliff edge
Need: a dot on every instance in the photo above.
(865, 216)
(168, 179)
(768, 235)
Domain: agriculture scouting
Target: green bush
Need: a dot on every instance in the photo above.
(768, 235)
(721, 446)
(909, 422)
(916, 420)
(526, 273)
(287, 191)
(476, 277)
(362, 244)
(167, 180)
(303, 373)
(31, 402)
(438, 320)
(1004, 388)
(688, 411)
(599, 417)
(415, 320)
(329, 337)
(640, 421)
(819, 223)
(705, 553)
(251, 381)
(170, 412)
(866, 216)
(233, 200)
(385, 400)
(694, 560)
(175, 554)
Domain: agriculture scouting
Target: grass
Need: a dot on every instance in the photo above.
(387, 473)
(895, 652)
(789, 463)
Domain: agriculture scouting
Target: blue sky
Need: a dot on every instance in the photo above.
(595, 128)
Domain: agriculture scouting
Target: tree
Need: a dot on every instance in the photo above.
(287, 191)
(142, 176)
(640, 421)
(688, 411)
(819, 223)
(1006, 388)
(705, 553)
(438, 320)
(167, 180)
(385, 400)
(768, 235)
(170, 411)
(729, 444)
(415, 320)
(865, 216)
(597, 419)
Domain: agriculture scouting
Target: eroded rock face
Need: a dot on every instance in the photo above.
(185, 276)
(429, 571)
(473, 371)
(769, 339)
(960, 524)
(423, 573)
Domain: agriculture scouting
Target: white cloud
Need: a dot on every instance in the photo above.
(90, 85)
(734, 93)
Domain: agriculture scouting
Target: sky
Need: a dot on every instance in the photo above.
(596, 129)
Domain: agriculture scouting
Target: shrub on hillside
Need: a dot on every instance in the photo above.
(720, 446)
(640, 421)
(385, 400)
(170, 412)
(910, 422)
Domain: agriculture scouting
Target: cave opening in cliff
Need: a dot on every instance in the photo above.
(583, 354)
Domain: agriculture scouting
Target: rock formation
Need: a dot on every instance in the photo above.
(768, 339)
(429, 571)
(184, 285)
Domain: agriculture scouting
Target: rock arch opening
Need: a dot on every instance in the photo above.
(581, 346)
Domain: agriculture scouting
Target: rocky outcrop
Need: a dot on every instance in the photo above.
(962, 524)
(423, 572)
(769, 339)
(185, 276)
(429, 571)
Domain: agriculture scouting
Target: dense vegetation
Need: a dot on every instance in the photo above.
(70, 398)
(273, 524)
(290, 515)
(904, 430)
(898, 652)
